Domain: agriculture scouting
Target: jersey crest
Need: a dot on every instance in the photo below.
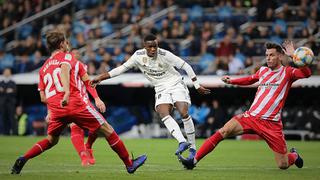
(145, 60)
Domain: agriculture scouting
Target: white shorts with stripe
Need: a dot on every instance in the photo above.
(176, 93)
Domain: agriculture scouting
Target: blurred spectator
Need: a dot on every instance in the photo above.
(22, 118)
(222, 65)
(199, 114)
(23, 65)
(92, 68)
(214, 120)
(235, 65)
(6, 60)
(8, 90)
(225, 47)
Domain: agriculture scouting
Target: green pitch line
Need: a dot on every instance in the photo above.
(231, 160)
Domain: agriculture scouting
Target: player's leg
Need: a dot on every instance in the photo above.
(272, 133)
(93, 121)
(284, 161)
(36, 150)
(172, 126)
(183, 107)
(91, 139)
(77, 139)
(55, 127)
(231, 128)
(118, 146)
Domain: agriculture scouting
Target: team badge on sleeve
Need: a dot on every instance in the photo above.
(68, 57)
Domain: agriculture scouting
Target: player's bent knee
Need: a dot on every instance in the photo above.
(106, 129)
(225, 132)
(53, 140)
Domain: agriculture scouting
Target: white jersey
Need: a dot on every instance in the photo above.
(159, 70)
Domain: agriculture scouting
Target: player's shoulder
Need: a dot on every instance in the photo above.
(163, 52)
(140, 52)
(263, 68)
(289, 68)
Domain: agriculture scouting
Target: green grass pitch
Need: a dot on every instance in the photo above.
(231, 160)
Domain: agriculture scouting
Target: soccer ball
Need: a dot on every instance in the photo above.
(302, 56)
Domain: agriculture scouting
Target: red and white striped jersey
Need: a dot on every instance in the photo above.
(80, 70)
(273, 89)
(50, 82)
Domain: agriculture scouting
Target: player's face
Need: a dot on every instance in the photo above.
(273, 58)
(76, 54)
(151, 47)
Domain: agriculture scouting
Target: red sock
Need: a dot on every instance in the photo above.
(292, 157)
(91, 139)
(208, 145)
(117, 145)
(77, 136)
(38, 148)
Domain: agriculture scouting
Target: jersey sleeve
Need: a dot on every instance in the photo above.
(82, 69)
(92, 91)
(174, 60)
(300, 73)
(131, 62)
(248, 80)
(66, 58)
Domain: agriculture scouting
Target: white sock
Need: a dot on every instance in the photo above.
(173, 128)
(190, 131)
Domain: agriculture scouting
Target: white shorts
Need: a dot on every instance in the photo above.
(176, 93)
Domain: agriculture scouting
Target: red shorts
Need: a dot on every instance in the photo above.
(88, 119)
(270, 131)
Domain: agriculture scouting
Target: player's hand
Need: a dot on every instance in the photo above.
(202, 90)
(288, 48)
(226, 79)
(94, 82)
(47, 119)
(65, 100)
(100, 105)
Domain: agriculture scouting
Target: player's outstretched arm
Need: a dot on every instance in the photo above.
(188, 69)
(201, 90)
(103, 76)
(93, 92)
(114, 72)
(241, 81)
(226, 79)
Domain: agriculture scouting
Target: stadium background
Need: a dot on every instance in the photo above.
(216, 37)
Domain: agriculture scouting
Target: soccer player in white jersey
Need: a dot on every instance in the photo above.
(264, 116)
(158, 66)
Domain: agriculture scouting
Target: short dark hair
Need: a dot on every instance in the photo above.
(54, 39)
(149, 37)
(271, 45)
